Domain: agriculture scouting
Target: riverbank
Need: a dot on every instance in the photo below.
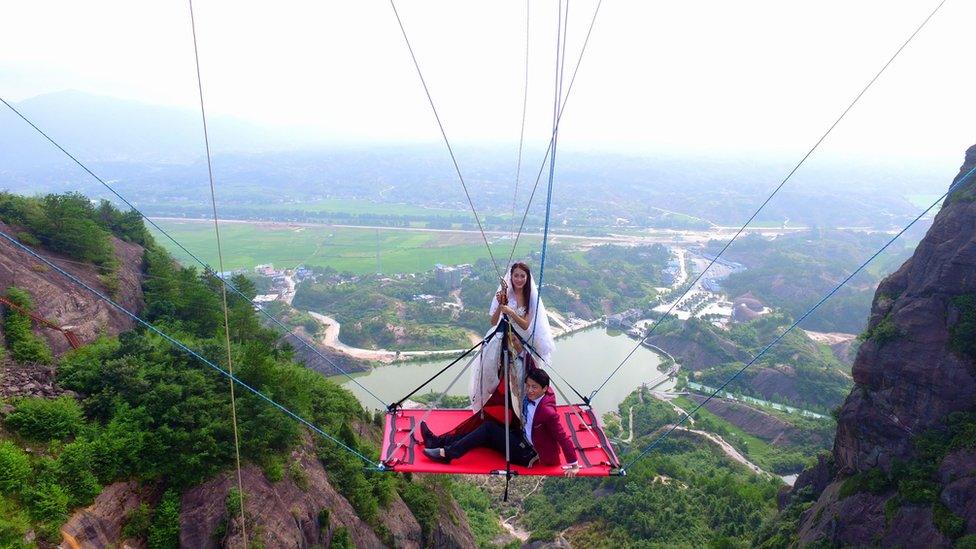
(331, 329)
(583, 358)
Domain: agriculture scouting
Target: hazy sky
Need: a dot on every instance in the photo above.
(708, 76)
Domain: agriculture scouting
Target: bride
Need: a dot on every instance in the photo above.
(517, 298)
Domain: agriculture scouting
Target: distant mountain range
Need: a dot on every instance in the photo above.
(100, 128)
(155, 154)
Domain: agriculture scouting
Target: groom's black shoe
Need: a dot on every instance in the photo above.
(430, 439)
(434, 454)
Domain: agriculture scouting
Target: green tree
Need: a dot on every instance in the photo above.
(46, 419)
(70, 227)
(164, 533)
(14, 468)
(25, 346)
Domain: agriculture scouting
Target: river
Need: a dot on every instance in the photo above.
(584, 358)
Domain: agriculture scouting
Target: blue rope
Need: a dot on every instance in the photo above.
(545, 156)
(186, 349)
(556, 112)
(188, 252)
(771, 195)
(687, 416)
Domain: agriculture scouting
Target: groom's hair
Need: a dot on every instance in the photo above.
(539, 376)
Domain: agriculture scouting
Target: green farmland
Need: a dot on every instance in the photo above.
(350, 206)
(342, 248)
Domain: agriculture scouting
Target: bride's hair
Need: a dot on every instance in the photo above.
(527, 289)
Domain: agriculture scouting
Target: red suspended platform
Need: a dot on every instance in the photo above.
(406, 455)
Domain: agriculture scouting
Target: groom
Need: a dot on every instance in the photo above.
(541, 438)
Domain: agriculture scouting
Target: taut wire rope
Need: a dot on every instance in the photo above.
(176, 343)
(561, 31)
(771, 195)
(447, 142)
(959, 182)
(179, 245)
(525, 104)
(223, 287)
(545, 156)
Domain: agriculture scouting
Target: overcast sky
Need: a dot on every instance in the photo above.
(705, 76)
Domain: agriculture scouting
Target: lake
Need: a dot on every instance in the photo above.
(584, 359)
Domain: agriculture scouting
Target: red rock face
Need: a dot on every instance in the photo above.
(913, 381)
(286, 514)
(906, 382)
(59, 300)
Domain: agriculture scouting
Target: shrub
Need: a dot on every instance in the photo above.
(48, 503)
(298, 476)
(891, 508)
(137, 522)
(963, 334)
(110, 281)
(916, 481)
(882, 332)
(164, 533)
(14, 524)
(24, 345)
(872, 480)
(947, 522)
(75, 464)
(81, 369)
(44, 419)
(422, 502)
(341, 539)
(31, 350)
(28, 239)
(274, 468)
(477, 506)
(14, 468)
(234, 502)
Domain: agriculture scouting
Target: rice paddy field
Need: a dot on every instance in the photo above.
(357, 250)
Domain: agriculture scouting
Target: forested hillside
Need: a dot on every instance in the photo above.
(134, 408)
(685, 493)
(797, 371)
(792, 272)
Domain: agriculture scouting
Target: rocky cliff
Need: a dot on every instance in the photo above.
(301, 510)
(66, 304)
(902, 471)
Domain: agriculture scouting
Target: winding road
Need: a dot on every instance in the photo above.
(330, 339)
(726, 448)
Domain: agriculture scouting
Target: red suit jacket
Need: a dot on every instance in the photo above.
(548, 435)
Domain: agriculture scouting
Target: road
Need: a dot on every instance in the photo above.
(289, 294)
(727, 448)
(330, 339)
(654, 236)
(683, 272)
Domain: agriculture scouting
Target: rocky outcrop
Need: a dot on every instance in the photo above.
(911, 381)
(758, 423)
(101, 523)
(67, 304)
(31, 380)
(698, 349)
(337, 363)
(452, 528)
(908, 381)
(302, 510)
